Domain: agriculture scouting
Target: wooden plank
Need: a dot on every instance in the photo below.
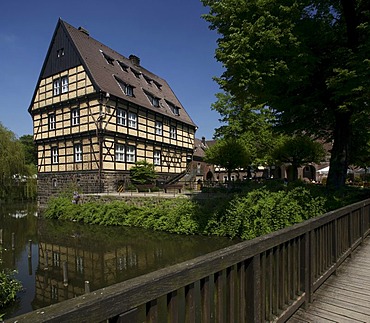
(345, 304)
(319, 316)
(334, 310)
(344, 294)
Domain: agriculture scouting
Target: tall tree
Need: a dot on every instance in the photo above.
(254, 125)
(308, 60)
(298, 151)
(11, 159)
(30, 149)
(229, 153)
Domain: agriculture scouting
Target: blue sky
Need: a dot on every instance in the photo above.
(169, 36)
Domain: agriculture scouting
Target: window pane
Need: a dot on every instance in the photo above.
(132, 120)
(64, 84)
(78, 153)
(120, 152)
(121, 117)
(75, 117)
(130, 154)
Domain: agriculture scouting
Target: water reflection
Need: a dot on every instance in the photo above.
(64, 259)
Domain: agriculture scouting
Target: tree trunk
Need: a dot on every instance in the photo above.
(339, 154)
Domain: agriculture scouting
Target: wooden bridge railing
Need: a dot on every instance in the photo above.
(264, 279)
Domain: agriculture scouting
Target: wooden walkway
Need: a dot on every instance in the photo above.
(344, 297)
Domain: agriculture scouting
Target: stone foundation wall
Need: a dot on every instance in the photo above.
(50, 184)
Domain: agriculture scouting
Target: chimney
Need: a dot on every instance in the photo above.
(204, 141)
(134, 60)
(83, 30)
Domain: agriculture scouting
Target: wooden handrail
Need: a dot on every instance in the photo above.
(264, 279)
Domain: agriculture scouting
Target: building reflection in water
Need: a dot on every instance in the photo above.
(73, 255)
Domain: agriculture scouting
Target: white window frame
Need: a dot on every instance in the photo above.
(54, 155)
(159, 128)
(173, 132)
(78, 153)
(120, 152)
(130, 154)
(52, 122)
(121, 117)
(75, 117)
(157, 157)
(64, 84)
(129, 90)
(132, 120)
(56, 87)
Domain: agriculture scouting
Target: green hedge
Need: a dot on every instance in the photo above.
(244, 215)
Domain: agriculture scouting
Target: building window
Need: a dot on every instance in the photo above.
(60, 85)
(60, 52)
(132, 120)
(78, 153)
(52, 123)
(131, 154)
(54, 155)
(174, 109)
(173, 132)
(129, 90)
(153, 100)
(126, 88)
(123, 66)
(56, 87)
(75, 117)
(109, 59)
(54, 292)
(158, 128)
(79, 265)
(120, 152)
(56, 259)
(136, 73)
(121, 117)
(157, 157)
(64, 84)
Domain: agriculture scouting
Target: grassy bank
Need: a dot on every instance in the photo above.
(247, 213)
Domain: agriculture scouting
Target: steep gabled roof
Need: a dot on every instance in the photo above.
(105, 66)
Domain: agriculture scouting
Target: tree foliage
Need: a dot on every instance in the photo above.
(30, 149)
(298, 151)
(251, 124)
(229, 153)
(143, 173)
(307, 60)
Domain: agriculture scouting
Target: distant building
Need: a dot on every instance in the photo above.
(95, 113)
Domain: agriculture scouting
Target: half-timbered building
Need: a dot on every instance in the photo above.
(95, 113)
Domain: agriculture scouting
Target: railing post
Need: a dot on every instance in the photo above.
(350, 233)
(256, 289)
(307, 268)
(335, 244)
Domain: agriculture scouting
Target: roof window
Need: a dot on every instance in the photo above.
(109, 59)
(123, 66)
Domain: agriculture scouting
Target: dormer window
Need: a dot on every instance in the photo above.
(109, 59)
(158, 85)
(123, 66)
(129, 90)
(136, 73)
(126, 88)
(153, 99)
(174, 109)
(148, 79)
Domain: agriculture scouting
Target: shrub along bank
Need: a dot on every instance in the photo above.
(245, 214)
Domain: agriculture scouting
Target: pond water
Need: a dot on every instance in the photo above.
(58, 260)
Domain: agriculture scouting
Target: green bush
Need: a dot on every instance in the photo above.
(9, 287)
(245, 215)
